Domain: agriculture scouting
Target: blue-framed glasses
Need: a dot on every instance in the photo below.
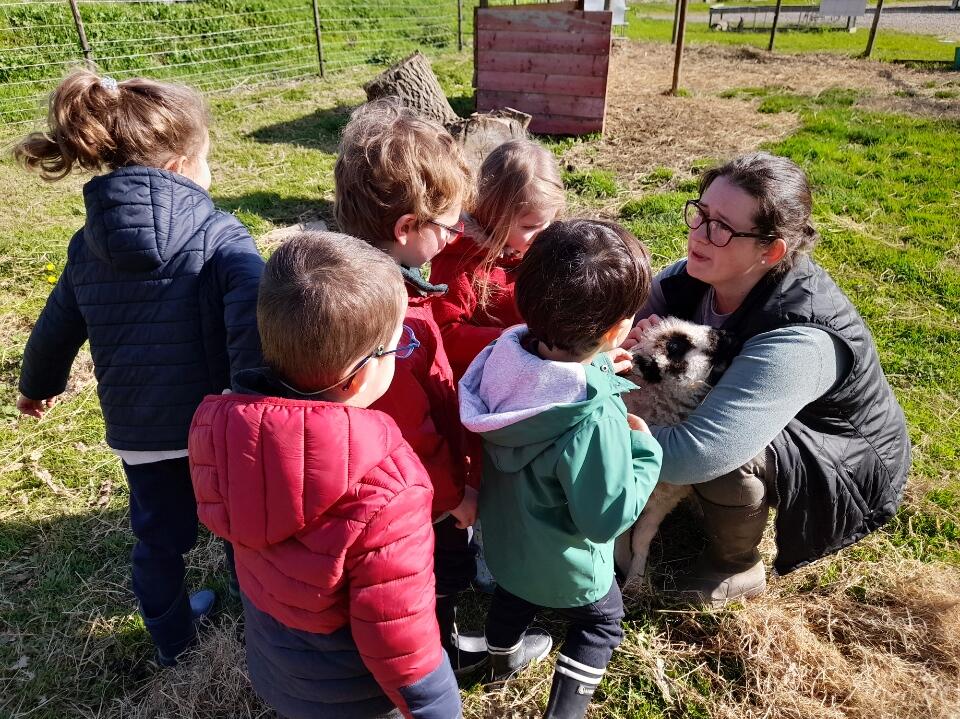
(405, 347)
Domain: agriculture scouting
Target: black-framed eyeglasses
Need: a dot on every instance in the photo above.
(405, 347)
(719, 233)
(455, 230)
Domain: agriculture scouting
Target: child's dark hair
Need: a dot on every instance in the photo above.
(578, 279)
(97, 123)
(325, 301)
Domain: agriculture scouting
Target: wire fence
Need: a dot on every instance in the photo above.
(212, 45)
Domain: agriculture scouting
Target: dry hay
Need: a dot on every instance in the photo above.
(646, 128)
(884, 645)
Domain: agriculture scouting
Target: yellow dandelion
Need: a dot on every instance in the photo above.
(48, 267)
(51, 279)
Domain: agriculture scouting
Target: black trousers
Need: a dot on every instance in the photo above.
(595, 629)
(454, 560)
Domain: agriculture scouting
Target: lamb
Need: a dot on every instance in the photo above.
(674, 366)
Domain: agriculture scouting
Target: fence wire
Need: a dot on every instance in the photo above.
(213, 45)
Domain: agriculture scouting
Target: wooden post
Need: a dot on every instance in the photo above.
(316, 27)
(773, 30)
(459, 25)
(84, 45)
(873, 28)
(678, 57)
(676, 18)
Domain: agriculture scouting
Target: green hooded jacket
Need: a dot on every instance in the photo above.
(563, 473)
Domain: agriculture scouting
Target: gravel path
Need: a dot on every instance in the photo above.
(938, 20)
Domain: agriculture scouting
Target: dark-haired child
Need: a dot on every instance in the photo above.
(565, 468)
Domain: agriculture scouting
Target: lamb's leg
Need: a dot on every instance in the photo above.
(663, 500)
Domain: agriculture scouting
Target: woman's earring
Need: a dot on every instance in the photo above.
(763, 262)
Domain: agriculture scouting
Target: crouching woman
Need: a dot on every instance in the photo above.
(803, 419)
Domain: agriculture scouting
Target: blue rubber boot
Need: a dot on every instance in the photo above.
(176, 631)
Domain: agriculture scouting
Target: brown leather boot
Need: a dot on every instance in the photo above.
(730, 567)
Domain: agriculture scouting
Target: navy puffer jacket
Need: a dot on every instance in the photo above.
(165, 288)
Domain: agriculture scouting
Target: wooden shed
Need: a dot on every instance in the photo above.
(549, 60)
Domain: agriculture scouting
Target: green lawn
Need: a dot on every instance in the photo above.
(71, 643)
(890, 45)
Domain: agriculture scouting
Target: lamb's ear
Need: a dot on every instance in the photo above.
(723, 347)
(647, 369)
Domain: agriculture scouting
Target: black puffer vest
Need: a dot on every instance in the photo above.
(842, 462)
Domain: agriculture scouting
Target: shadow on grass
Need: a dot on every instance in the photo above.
(277, 209)
(320, 130)
(69, 632)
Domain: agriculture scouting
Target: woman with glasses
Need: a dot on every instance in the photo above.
(803, 419)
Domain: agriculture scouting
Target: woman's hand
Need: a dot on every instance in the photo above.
(34, 407)
(637, 423)
(621, 359)
(466, 511)
(638, 329)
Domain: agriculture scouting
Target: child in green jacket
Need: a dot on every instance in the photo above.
(566, 469)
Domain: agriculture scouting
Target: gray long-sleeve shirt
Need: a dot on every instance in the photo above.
(776, 374)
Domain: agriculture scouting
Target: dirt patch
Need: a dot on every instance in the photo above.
(646, 129)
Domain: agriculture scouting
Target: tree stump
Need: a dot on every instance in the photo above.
(413, 82)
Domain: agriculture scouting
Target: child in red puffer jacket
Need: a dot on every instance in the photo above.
(327, 506)
(519, 194)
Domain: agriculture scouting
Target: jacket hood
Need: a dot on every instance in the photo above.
(520, 403)
(264, 468)
(140, 217)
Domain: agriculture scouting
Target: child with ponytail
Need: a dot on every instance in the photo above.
(519, 194)
(164, 287)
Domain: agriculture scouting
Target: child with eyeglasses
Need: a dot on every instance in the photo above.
(401, 182)
(326, 505)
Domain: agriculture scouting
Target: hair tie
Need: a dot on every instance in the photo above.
(109, 84)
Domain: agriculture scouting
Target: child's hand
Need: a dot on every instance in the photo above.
(621, 359)
(637, 423)
(34, 407)
(466, 511)
(638, 330)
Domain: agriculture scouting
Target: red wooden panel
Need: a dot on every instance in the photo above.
(583, 85)
(538, 104)
(543, 63)
(594, 43)
(560, 125)
(525, 20)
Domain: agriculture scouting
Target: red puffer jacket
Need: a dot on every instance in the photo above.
(328, 510)
(422, 399)
(467, 328)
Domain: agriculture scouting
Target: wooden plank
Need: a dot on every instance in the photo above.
(538, 104)
(560, 125)
(551, 84)
(502, 18)
(543, 63)
(593, 43)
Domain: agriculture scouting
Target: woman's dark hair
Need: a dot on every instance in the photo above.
(578, 279)
(783, 196)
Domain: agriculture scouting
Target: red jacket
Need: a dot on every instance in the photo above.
(422, 399)
(328, 510)
(467, 328)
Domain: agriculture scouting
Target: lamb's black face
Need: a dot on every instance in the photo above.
(677, 351)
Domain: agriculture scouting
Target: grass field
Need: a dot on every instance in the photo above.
(872, 632)
(890, 45)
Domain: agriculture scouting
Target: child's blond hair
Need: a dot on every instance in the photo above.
(518, 177)
(97, 123)
(392, 162)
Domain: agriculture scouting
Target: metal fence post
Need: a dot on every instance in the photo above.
(459, 25)
(84, 45)
(316, 26)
